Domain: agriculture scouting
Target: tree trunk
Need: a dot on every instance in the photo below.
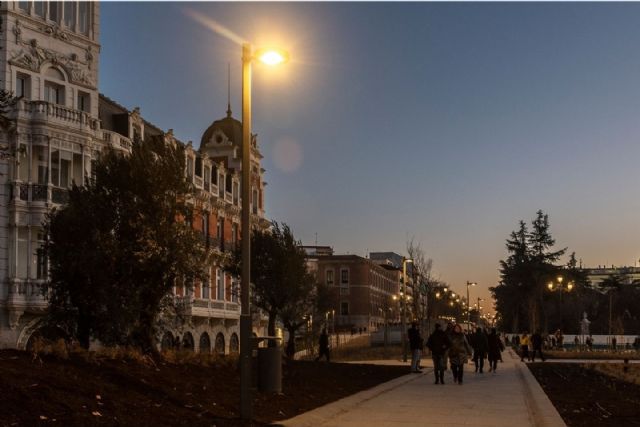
(291, 342)
(271, 328)
(84, 331)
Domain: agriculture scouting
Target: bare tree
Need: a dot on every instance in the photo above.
(422, 277)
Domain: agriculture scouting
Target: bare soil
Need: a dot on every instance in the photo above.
(586, 397)
(79, 392)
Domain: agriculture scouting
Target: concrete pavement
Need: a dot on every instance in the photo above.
(511, 397)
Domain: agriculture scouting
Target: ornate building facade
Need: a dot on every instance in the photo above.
(49, 58)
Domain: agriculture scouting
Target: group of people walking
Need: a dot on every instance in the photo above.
(456, 346)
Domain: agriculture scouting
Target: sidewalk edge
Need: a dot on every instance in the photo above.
(321, 415)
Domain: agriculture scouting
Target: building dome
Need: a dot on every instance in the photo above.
(226, 130)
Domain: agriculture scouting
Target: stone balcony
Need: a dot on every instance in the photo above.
(25, 296)
(29, 193)
(55, 114)
(213, 309)
(117, 141)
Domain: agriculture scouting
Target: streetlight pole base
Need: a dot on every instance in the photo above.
(245, 367)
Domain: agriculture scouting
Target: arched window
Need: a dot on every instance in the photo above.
(54, 73)
(167, 341)
(219, 343)
(205, 343)
(234, 344)
(187, 341)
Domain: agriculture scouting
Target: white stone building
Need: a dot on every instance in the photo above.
(49, 57)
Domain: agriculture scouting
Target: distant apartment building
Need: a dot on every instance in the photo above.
(362, 291)
(49, 58)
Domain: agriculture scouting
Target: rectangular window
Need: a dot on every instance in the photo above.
(207, 179)
(83, 17)
(23, 252)
(254, 202)
(41, 257)
(221, 186)
(198, 166)
(206, 286)
(329, 274)
(228, 185)
(23, 86)
(205, 224)
(55, 11)
(83, 101)
(190, 167)
(234, 235)
(234, 290)
(344, 308)
(39, 8)
(53, 93)
(220, 229)
(220, 284)
(236, 194)
(214, 175)
(69, 14)
(55, 167)
(24, 5)
(344, 276)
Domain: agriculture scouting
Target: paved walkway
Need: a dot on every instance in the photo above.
(511, 397)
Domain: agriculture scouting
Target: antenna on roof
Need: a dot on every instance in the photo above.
(229, 89)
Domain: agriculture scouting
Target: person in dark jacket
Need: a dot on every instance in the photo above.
(495, 348)
(438, 343)
(324, 345)
(480, 348)
(459, 353)
(415, 343)
(536, 344)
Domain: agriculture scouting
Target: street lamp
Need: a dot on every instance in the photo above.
(269, 57)
(403, 295)
(469, 314)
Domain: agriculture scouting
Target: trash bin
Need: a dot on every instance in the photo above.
(270, 366)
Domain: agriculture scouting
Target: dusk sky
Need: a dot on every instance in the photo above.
(449, 122)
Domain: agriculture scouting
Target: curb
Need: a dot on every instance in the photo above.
(321, 415)
(541, 410)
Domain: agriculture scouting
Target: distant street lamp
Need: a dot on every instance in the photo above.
(269, 57)
(468, 313)
(403, 295)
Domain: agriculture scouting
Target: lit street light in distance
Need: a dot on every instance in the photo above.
(552, 286)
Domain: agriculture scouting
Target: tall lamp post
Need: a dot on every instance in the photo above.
(269, 57)
(468, 312)
(559, 286)
(405, 261)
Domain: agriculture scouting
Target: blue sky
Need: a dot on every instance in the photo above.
(449, 122)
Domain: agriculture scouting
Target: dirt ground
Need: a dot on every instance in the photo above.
(77, 392)
(586, 397)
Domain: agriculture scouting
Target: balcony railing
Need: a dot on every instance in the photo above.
(116, 140)
(28, 294)
(39, 193)
(207, 308)
(56, 113)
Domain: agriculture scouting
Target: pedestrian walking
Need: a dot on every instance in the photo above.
(524, 346)
(480, 347)
(415, 343)
(438, 343)
(324, 345)
(495, 348)
(459, 352)
(536, 344)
